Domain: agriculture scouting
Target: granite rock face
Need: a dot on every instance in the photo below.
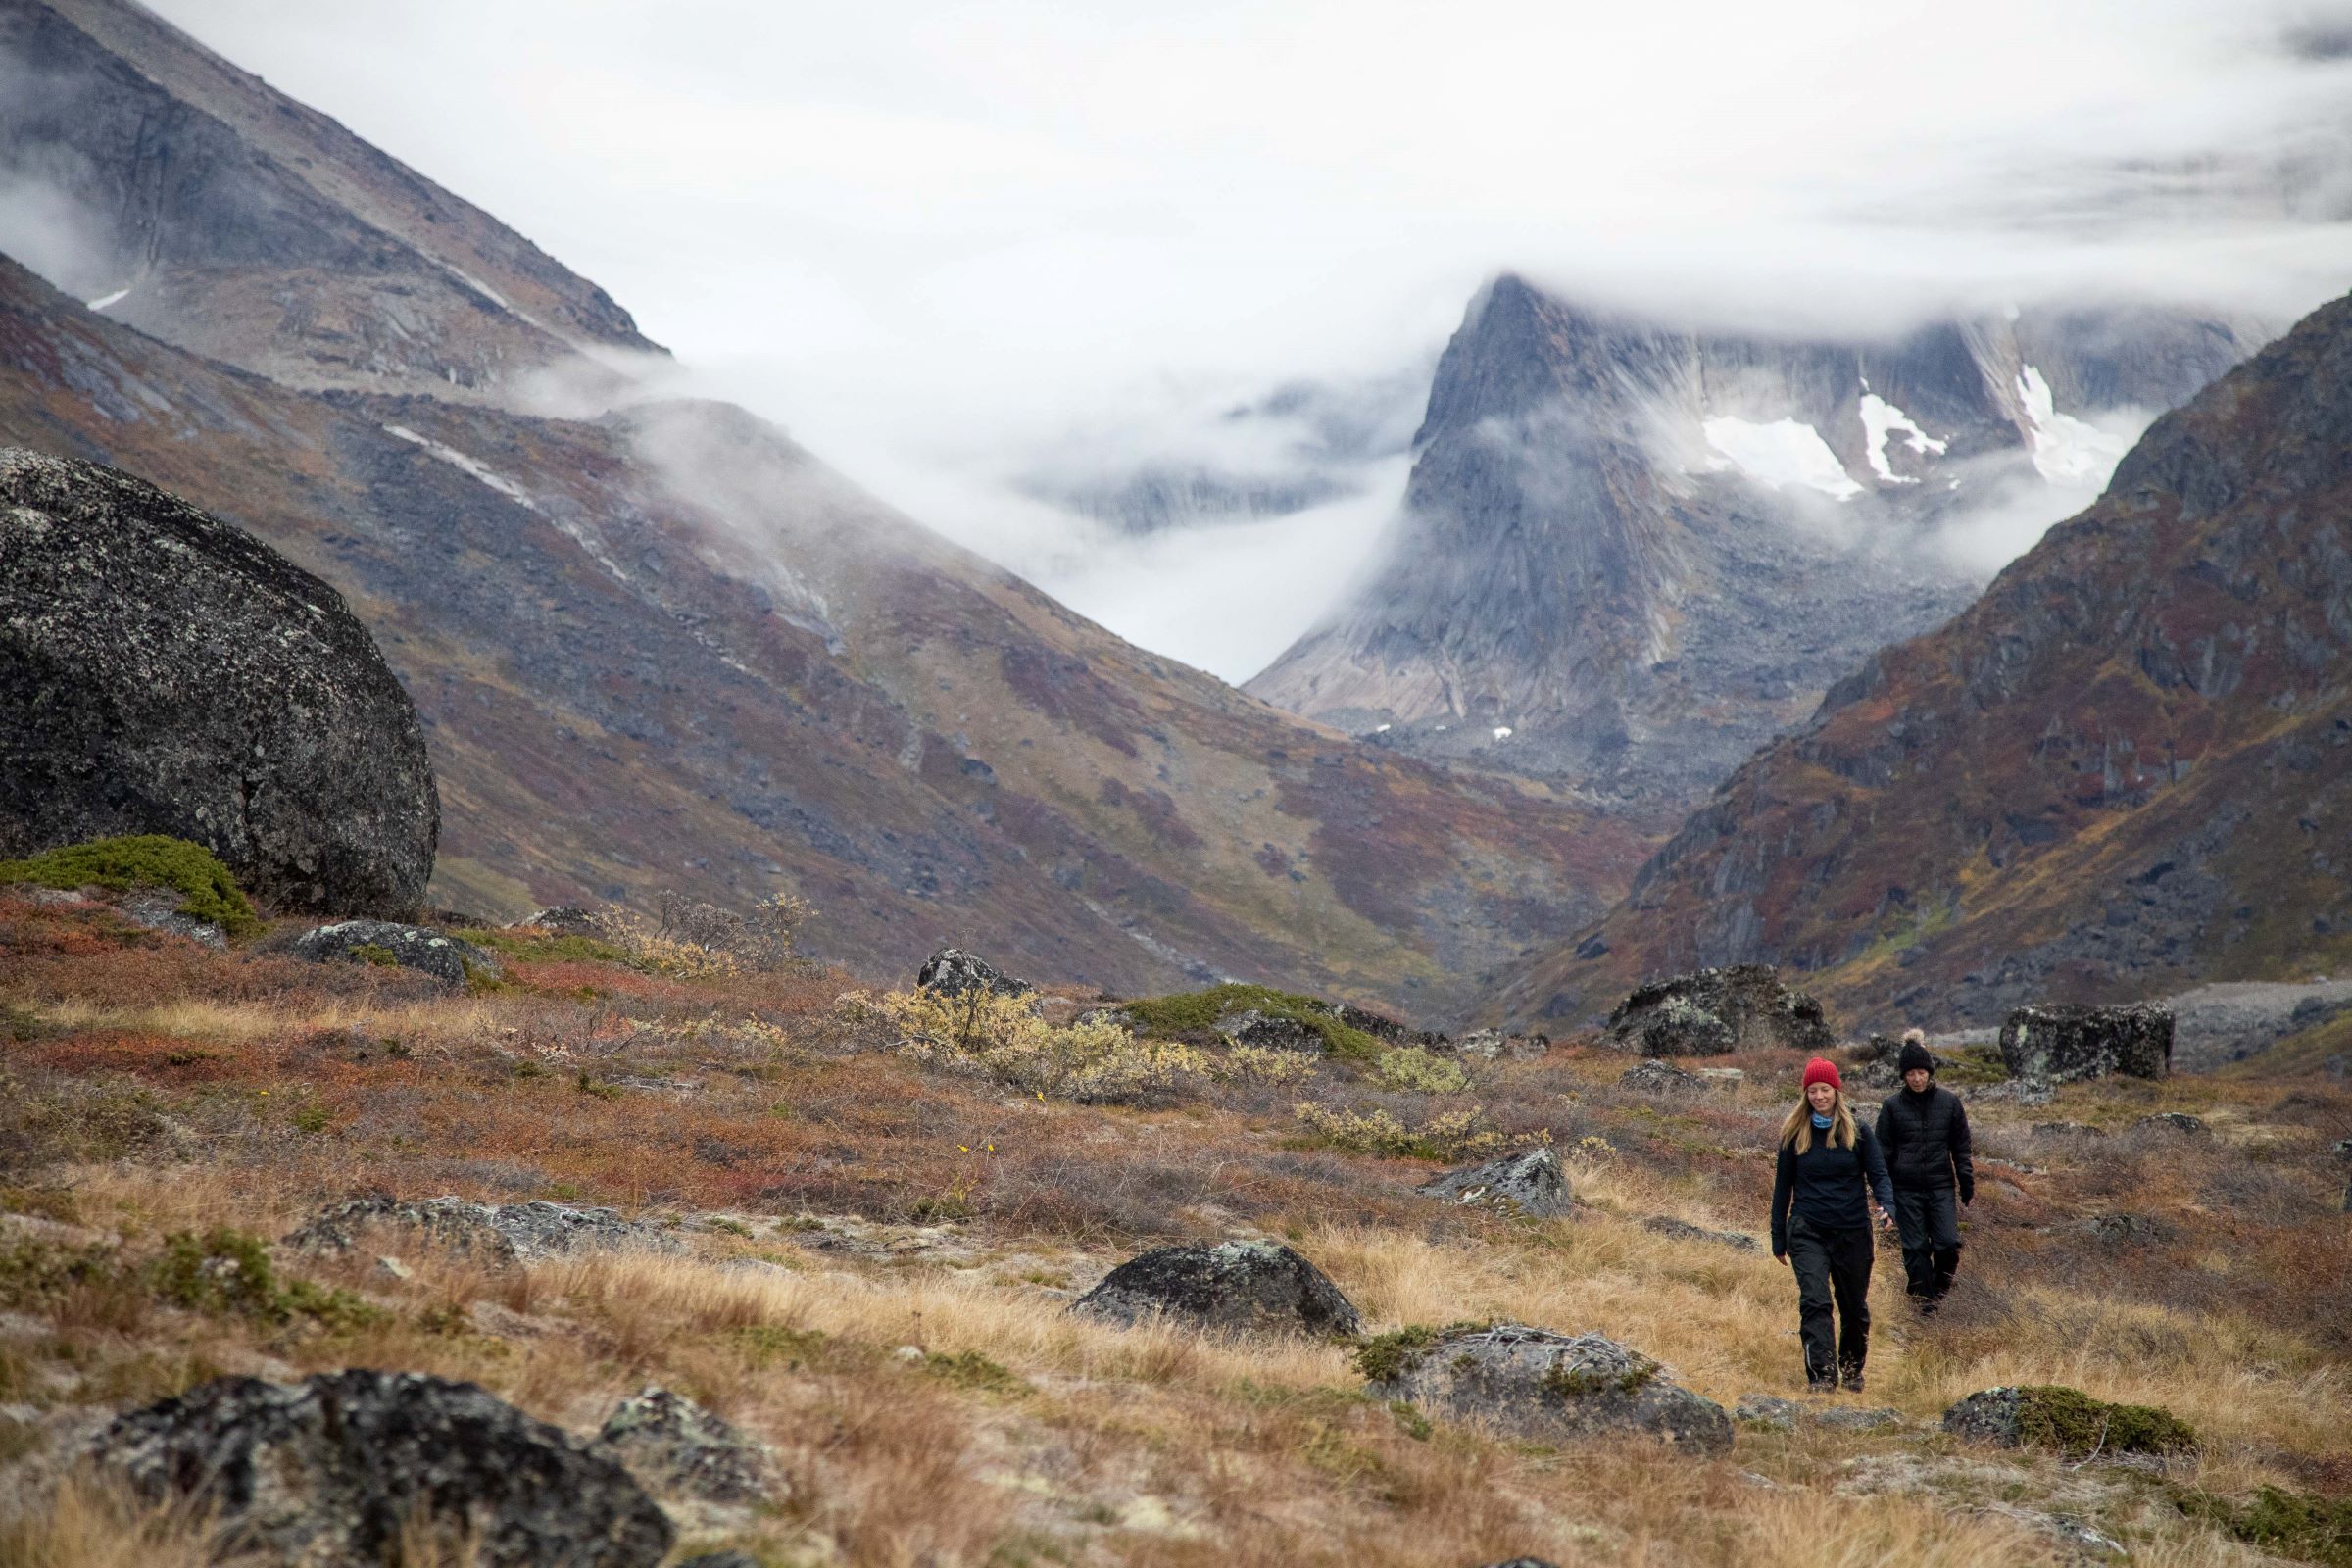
(1536, 1384)
(334, 1472)
(167, 673)
(2059, 1045)
(1246, 1287)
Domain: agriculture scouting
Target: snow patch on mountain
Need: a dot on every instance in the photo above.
(1783, 451)
(1881, 420)
(2066, 450)
(116, 298)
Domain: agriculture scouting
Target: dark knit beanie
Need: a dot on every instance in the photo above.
(1914, 1054)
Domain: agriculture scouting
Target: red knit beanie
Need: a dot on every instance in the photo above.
(1822, 1070)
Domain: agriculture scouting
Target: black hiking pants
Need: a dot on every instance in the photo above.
(1833, 1269)
(1928, 1220)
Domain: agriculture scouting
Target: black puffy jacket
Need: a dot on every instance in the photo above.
(1926, 1140)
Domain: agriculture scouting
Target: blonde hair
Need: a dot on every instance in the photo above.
(1797, 1130)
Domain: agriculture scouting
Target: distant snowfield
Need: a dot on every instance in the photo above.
(1881, 420)
(2067, 451)
(1783, 451)
(1229, 599)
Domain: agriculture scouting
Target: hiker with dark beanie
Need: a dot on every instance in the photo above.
(1924, 1129)
(1828, 1171)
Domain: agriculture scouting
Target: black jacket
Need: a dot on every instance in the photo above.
(1824, 1185)
(1925, 1139)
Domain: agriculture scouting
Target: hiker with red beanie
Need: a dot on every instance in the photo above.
(1922, 1128)
(1829, 1170)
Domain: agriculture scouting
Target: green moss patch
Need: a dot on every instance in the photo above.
(1389, 1355)
(228, 1273)
(1192, 1016)
(207, 890)
(2053, 1416)
(2286, 1524)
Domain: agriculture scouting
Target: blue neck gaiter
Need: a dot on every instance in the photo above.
(1821, 1123)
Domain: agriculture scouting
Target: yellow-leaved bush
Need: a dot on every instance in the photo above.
(1093, 1061)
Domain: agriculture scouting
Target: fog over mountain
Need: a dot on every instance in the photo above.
(961, 250)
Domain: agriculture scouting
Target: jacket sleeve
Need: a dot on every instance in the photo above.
(1783, 1189)
(1889, 1130)
(1874, 1166)
(1963, 1153)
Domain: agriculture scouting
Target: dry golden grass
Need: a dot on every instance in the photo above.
(151, 1089)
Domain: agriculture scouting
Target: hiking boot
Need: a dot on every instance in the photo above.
(1851, 1379)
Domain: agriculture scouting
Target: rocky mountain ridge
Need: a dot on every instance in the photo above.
(668, 648)
(1632, 552)
(185, 196)
(2123, 769)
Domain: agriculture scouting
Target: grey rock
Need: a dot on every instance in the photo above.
(412, 946)
(1989, 1415)
(953, 972)
(1684, 1230)
(160, 912)
(2174, 1121)
(1714, 1010)
(333, 1471)
(1246, 1287)
(1530, 1182)
(1654, 1077)
(730, 1558)
(1484, 1044)
(167, 673)
(1766, 1410)
(678, 1448)
(1522, 1562)
(1536, 1384)
(505, 1233)
(561, 920)
(2057, 1045)
(1248, 1026)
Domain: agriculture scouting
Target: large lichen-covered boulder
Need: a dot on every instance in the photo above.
(1530, 1182)
(1232, 1287)
(351, 1469)
(2056, 1045)
(1533, 1382)
(1715, 1011)
(167, 673)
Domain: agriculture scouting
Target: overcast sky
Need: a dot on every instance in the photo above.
(933, 237)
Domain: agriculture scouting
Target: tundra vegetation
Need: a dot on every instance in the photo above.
(880, 1204)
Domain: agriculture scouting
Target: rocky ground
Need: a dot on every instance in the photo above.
(728, 1243)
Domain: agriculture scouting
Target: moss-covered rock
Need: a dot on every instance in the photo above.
(1244, 1012)
(2068, 1421)
(207, 891)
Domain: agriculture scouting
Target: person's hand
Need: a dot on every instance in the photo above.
(1885, 1220)
(1781, 1258)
